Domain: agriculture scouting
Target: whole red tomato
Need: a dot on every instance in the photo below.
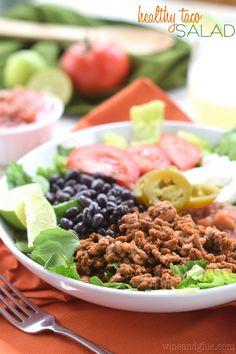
(96, 67)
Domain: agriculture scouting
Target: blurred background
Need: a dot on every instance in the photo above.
(197, 71)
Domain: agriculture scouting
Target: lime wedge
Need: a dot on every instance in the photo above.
(12, 206)
(39, 213)
(53, 81)
(146, 122)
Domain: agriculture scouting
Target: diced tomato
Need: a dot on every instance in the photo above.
(106, 160)
(182, 153)
(149, 157)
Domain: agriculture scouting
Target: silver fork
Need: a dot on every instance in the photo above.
(31, 319)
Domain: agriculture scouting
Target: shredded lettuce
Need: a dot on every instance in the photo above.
(194, 275)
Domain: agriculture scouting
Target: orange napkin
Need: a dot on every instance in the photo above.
(117, 108)
(207, 331)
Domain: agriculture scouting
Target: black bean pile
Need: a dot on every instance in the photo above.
(104, 202)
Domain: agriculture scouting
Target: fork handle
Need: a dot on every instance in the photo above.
(77, 338)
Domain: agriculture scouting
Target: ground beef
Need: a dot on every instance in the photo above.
(150, 241)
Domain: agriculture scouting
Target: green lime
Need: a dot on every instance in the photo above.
(21, 66)
(12, 207)
(39, 213)
(53, 81)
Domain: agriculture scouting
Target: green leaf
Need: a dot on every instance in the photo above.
(61, 208)
(184, 268)
(64, 151)
(96, 281)
(51, 241)
(16, 175)
(227, 145)
(216, 277)
(59, 264)
(21, 242)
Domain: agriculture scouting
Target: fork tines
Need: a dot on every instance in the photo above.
(13, 306)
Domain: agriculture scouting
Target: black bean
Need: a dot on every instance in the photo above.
(87, 216)
(102, 199)
(113, 219)
(60, 182)
(106, 187)
(72, 175)
(87, 180)
(54, 178)
(126, 194)
(62, 197)
(78, 218)
(50, 197)
(54, 188)
(130, 203)
(66, 223)
(79, 227)
(97, 220)
(110, 233)
(90, 193)
(111, 205)
(80, 187)
(71, 182)
(69, 190)
(112, 198)
(85, 201)
(97, 184)
(72, 212)
(94, 207)
(102, 231)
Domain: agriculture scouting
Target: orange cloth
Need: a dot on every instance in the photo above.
(116, 108)
(207, 331)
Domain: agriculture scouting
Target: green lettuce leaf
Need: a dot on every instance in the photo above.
(61, 208)
(96, 281)
(227, 145)
(51, 241)
(16, 176)
(184, 268)
(59, 163)
(59, 264)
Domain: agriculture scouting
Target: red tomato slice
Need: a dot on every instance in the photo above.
(106, 160)
(149, 157)
(181, 152)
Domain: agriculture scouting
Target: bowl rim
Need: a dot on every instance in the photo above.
(161, 293)
(49, 118)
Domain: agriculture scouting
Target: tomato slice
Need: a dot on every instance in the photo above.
(181, 152)
(149, 157)
(107, 160)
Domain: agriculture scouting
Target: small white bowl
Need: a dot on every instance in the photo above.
(17, 141)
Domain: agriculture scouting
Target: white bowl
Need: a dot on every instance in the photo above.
(17, 141)
(153, 301)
